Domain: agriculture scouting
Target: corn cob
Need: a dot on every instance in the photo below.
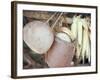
(76, 29)
(80, 31)
(74, 26)
(86, 43)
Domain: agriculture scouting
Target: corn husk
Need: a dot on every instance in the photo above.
(80, 29)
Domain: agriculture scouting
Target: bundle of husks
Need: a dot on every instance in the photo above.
(81, 31)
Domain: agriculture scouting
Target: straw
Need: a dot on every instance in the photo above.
(51, 17)
(57, 20)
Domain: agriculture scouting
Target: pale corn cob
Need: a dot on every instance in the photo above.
(74, 32)
(84, 46)
(79, 37)
(86, 43)
(80, 31)
(76, 29)
(74, 26)
(88, 50)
